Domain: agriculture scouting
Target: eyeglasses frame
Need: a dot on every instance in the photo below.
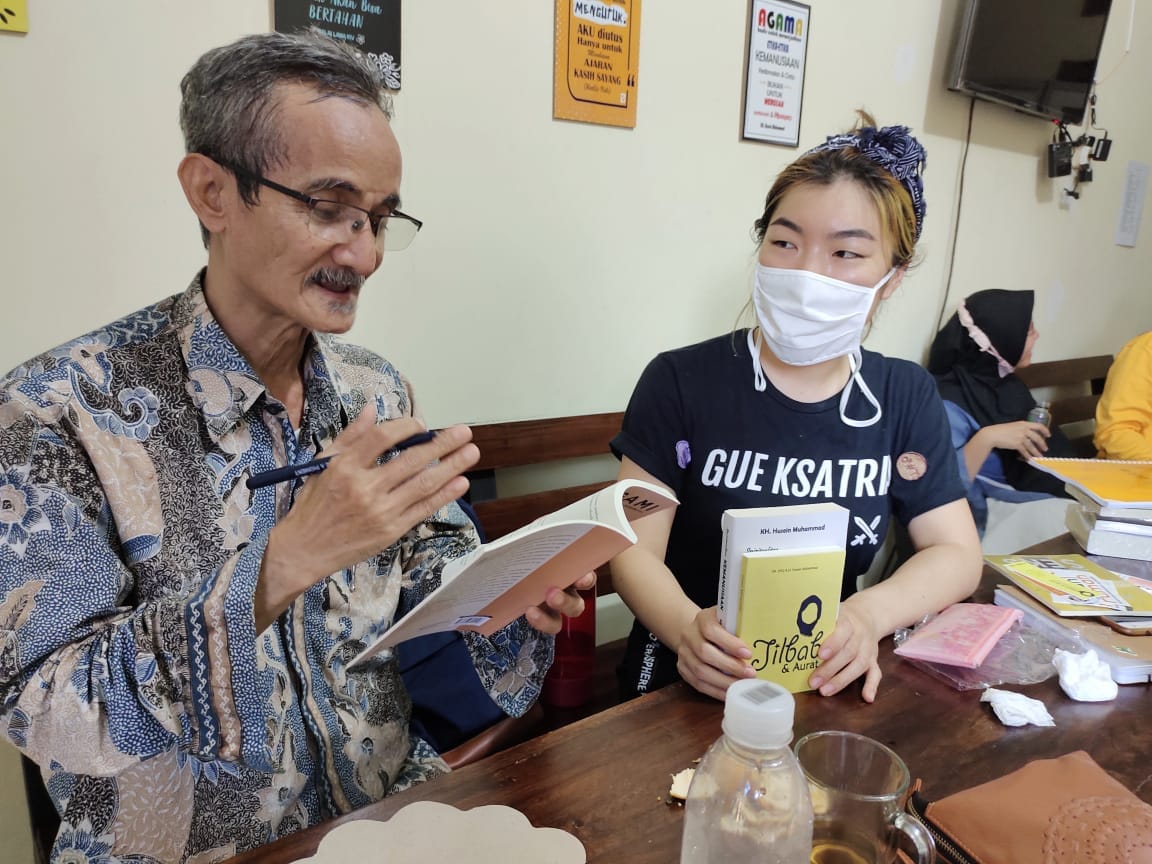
(311, 202)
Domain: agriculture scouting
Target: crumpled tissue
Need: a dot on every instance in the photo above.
(1016, 709)
(1084, 677)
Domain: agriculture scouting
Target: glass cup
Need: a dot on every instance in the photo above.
(858, 788)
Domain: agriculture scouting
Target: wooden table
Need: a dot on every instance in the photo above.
(606, 778)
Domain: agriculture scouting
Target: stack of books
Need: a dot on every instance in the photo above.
(1112, 509)
(1080, 604)
(781, 570)
(1107, 531)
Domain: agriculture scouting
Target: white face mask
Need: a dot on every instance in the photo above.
(807, 318)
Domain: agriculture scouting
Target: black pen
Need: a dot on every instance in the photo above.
(292, 472)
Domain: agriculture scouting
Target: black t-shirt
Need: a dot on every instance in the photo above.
(697, 423)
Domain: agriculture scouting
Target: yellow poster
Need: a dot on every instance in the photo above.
(14, 15)
(597, 61)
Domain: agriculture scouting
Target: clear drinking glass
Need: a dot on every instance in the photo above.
(858, 788)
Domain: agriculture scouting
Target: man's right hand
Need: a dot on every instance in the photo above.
(355, 507)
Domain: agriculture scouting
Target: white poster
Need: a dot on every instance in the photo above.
(1132, 205)
(774, 88)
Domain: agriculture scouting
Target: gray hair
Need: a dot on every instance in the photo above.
(229, 106)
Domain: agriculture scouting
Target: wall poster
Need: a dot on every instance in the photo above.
(373, 26)
(597, 61)
(774, 81)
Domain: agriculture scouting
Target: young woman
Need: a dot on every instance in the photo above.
(825, 420)
(974, 357)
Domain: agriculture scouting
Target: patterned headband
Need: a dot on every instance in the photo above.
(894, 149)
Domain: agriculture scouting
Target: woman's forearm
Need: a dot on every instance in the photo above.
(930, 580)
(649, 589)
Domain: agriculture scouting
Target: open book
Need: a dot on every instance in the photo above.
(494, 583)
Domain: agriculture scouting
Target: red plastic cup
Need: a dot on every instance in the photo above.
(568, 683)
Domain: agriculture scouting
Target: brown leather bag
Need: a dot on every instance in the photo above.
(1052, 811)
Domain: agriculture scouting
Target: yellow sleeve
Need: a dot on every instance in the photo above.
(1124, 414)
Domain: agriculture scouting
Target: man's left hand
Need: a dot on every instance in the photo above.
(549, 615)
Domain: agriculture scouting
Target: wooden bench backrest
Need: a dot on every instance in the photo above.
(536, 442)
(1078, 383)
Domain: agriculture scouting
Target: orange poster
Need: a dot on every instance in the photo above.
(597, 61)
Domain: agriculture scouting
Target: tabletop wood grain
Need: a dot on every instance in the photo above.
(605, 778)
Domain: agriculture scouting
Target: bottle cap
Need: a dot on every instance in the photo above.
(758, 714)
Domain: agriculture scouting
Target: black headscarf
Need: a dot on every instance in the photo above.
(970, 377)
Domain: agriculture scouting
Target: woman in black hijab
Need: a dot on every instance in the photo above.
(973, 359)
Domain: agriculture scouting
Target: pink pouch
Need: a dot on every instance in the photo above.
(961, 635)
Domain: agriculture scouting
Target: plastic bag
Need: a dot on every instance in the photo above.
(1022, 656)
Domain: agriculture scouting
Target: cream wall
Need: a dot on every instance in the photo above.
(558, 257)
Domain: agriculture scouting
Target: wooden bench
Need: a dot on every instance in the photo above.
(556, 446)
(1075, 385)
(550, 442)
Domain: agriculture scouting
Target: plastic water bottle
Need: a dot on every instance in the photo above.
(749, 799)
(1041, 413)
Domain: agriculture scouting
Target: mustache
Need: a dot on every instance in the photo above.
(337, 277)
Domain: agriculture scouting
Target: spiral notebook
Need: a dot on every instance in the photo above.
(1107, 482)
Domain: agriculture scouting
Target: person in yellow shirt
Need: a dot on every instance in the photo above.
(1124, 415)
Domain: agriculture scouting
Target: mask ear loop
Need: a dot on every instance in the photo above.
(982, 341)
(854, 365)
(754, 350)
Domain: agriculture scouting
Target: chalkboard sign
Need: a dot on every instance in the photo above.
(373, 26)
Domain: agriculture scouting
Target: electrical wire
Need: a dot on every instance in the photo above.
(1127, 44)
(956, 217)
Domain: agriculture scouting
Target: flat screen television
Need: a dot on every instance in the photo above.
(1038, 56)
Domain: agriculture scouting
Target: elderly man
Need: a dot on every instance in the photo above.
(173, 644)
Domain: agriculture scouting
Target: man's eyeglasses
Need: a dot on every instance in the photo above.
(336, 222)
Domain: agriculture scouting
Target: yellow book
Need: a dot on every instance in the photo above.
(766, 529)
(788, 604)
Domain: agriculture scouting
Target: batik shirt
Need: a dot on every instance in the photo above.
(166, 727)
